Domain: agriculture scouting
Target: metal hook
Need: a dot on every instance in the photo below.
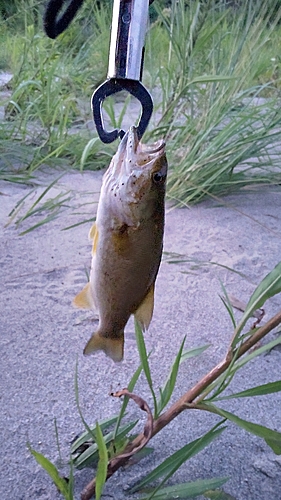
(110, 87)
(129, 22)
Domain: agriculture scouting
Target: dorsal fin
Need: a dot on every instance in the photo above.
(144, 312)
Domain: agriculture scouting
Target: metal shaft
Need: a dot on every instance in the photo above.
(129, 23)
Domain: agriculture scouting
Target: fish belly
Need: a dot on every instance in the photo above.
(124, 269)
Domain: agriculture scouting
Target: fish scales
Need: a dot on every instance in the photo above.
(127, 243)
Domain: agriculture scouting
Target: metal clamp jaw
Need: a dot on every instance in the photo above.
(129, 22)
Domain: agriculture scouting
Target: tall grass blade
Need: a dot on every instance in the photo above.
(57, 439)
(47, 219)
(76, 388)
(102, 463)
(144, 361)
(91, 147)
(31, 209)
(168, 388)
(130, 387)
(86, 221)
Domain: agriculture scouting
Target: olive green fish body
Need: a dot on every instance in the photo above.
(127, 243)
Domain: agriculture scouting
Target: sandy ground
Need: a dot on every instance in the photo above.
(42, 336)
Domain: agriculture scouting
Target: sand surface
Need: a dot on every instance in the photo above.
(42, 336)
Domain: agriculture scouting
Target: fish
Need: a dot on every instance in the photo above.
(127, 243)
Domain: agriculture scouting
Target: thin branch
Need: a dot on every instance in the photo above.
(182, 404)
(148, 428)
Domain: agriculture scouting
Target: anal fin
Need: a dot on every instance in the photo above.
(84, 299)
(144, 312)
(113, 347)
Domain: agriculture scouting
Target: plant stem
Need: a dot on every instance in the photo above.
(181, 405)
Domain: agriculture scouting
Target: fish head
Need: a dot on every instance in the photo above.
(135, 181)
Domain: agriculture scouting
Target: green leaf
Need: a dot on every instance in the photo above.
(90, 455)
(269, 286)
(272, 438)
(227, 303)
(260, 390)
(85, 221)
(117, 446)
(86, 436)
(186, 490)
(192, 353)
(172, 463)
(71, 482)
(102, 463)
(60, 483)
(144, 360)
(218, 495)
(57, 439)
(47, 219)
(167, 391)
(256, 352)
(220, 382)
(76, 388)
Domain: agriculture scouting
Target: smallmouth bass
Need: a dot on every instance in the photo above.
(127, 243)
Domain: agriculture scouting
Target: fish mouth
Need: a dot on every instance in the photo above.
(134, 144)
(131, 144)
(132, 154)
(131, 147)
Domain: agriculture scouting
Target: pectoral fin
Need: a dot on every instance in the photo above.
(113, 347)
(92, 232)
(144, 312)
(84, 299)
(93, 236)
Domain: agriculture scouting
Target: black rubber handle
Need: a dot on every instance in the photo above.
(53, 25)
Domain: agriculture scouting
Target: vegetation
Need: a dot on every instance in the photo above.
(215, 75)
(214, 72)
(109, 445)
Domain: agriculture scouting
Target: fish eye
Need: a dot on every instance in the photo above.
(158, 178)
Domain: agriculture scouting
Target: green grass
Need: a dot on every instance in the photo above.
(48, 110)
(214, 74)
(220, 101)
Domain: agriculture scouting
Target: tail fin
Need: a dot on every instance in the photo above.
(113, 347)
